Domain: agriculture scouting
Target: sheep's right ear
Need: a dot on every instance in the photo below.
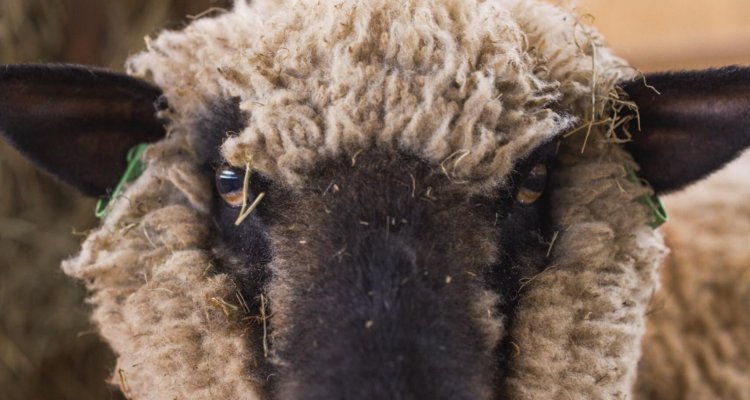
(76, 122)
(692, 124)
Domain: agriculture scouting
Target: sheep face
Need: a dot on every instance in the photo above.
(446, 208)
(384, 277)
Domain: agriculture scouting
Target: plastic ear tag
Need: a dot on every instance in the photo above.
(658, 212)
(132, 172)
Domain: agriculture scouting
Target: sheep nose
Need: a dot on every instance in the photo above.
(379, 321)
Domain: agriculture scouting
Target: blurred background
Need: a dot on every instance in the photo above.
(48, 349)
(656, 35)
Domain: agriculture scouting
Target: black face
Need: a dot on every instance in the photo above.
(372, 270)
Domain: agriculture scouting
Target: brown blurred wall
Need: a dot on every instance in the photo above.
(48, 349)
(674, 34)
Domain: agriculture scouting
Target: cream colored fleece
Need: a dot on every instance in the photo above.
(174, 325)
(452, 82)
(468, 86)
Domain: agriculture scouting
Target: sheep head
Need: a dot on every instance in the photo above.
(441, 205)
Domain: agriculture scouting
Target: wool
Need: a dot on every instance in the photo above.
(469, 87)
(579, 324)
(451, 84)
(173, 324)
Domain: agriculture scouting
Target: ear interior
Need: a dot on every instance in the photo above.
(76, 122)
(692, 124)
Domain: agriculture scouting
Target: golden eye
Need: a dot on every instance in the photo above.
(533, 186)
(229, 184)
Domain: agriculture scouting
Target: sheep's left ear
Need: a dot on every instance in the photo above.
(77, 122)
(692, 124)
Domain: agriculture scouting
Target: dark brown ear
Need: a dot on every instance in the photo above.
(76, 122)
(692, 124)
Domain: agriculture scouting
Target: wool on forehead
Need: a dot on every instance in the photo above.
(465, 85)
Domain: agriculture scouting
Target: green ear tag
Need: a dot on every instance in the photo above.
(134, 170)
(658, 212)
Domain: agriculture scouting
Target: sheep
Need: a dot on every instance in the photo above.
(421, 199)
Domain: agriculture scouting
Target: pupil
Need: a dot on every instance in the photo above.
(537, 179)
(535, 183)
(229, 181)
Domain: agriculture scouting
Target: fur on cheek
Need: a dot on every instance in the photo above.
(173, 323)
(580, 322)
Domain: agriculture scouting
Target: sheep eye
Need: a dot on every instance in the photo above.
(229, 184)
(533, 186)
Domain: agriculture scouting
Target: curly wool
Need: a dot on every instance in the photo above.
(470, 87)
(452, 83)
